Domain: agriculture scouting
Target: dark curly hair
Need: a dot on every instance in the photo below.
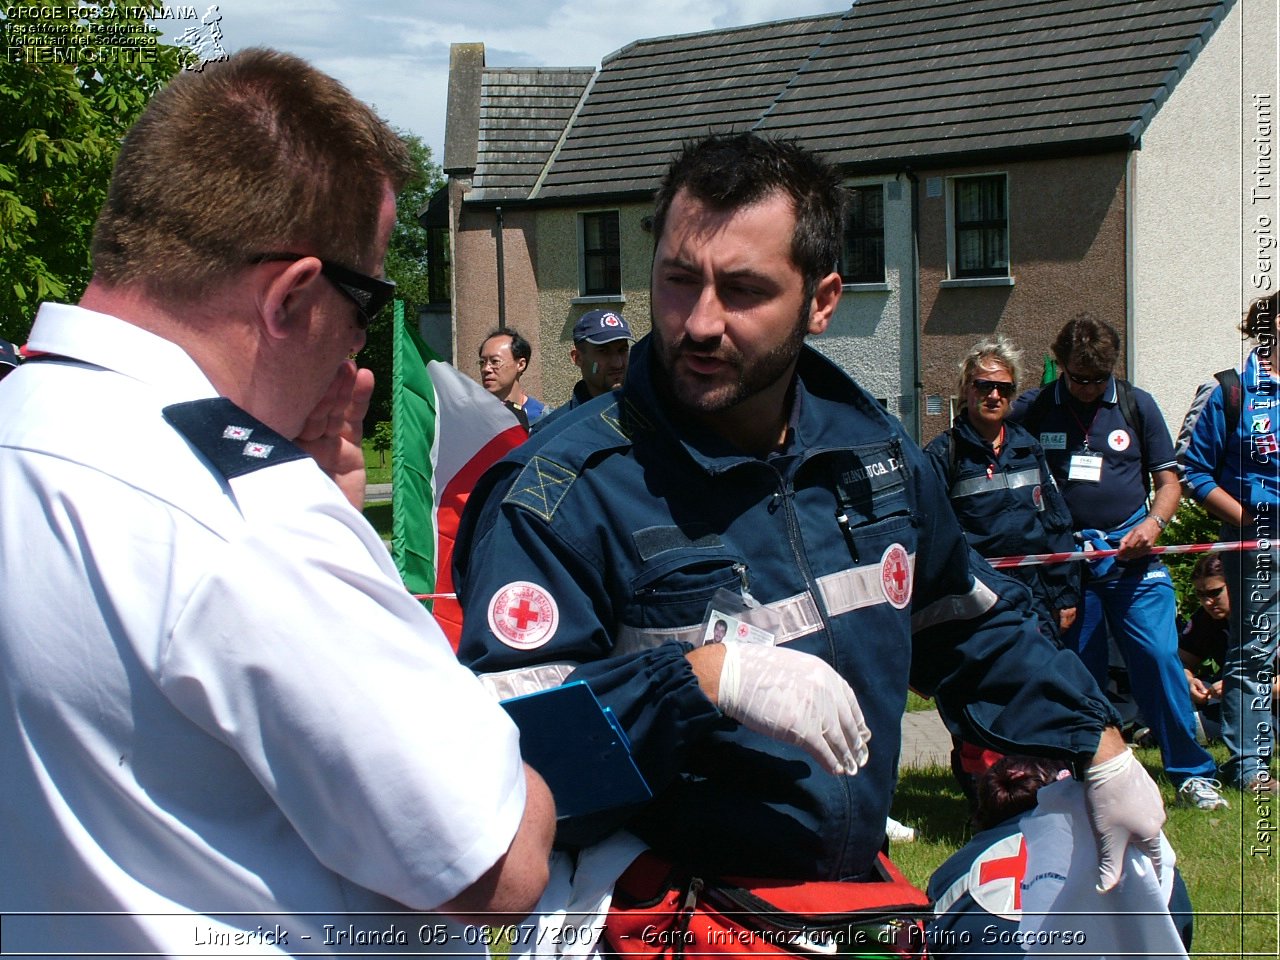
(1010, 787)
(730, 171)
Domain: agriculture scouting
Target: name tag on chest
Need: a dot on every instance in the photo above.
(1053, 441)
(1085, 467)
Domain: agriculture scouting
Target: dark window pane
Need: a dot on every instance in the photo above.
(862, 260)
(601, 264)
(982, 227)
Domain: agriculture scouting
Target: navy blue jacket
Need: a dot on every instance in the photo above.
(592, 551)
(1009, 505)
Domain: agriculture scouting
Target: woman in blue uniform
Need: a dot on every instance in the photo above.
(1006, 500)
(1000, 485)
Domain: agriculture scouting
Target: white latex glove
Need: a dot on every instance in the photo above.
(796, 698)
(1124, 807)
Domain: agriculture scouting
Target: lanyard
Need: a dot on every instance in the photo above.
(996, 446)
(1080, 423)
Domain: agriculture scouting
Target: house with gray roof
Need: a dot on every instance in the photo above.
(1010, 164)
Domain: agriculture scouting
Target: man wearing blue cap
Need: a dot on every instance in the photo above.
(601, 344)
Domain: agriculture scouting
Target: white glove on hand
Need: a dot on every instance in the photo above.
(1124, 807)
(796, 698)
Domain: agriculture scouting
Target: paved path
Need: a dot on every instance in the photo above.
(375, 492)
(925, 740)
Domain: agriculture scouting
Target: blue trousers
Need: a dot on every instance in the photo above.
(1138, 608)
(1253, 581)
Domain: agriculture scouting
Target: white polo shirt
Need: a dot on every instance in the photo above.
(215, 695)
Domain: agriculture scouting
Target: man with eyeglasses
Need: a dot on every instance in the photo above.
(223, 720)
(504, 357)
(1111, 454)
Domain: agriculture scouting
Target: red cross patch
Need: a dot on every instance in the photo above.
(523, 615)
(609, 320)
(1118, 440)
(895, 575)
(995, 879)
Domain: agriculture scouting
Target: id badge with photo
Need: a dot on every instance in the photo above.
(732, 618)
(1085, 467)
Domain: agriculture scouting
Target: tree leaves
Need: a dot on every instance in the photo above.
(63, 113)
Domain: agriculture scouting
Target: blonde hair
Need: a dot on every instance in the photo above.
(997, 348)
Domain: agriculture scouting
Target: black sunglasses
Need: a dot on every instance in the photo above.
(1003, 387)
(1213, 593)
(369, 294)
(1088, 381)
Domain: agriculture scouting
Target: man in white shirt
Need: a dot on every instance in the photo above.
(219, 704)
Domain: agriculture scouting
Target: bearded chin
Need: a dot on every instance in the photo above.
(753, 377)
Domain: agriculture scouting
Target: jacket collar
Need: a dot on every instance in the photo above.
(818, 384)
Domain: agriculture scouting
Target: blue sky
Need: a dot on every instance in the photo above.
(394, 54)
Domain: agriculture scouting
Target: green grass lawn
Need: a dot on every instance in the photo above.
(376, 471)
(1234, 887)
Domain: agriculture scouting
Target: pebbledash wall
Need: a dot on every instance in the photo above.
(1194, 224)
(560, 303)
(872, 336)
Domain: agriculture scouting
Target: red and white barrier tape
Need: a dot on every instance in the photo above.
(1031, 559)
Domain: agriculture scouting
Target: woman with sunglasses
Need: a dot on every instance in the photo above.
(1005, 498)
(1234, 471)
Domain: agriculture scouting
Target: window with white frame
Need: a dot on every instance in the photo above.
(601, 259)
(980, 219)
(862, 256)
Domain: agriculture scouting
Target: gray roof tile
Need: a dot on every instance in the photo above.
(887, 82)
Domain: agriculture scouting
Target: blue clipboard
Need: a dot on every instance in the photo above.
(579, 748)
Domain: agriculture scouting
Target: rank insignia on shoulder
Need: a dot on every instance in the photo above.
(232, 440)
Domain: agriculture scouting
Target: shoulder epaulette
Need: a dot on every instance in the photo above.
(233, 441)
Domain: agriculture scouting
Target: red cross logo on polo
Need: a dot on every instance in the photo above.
(1118, 440)
(523, 615)
(895, 575)
(1037, 497)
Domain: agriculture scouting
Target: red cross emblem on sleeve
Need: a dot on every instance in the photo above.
(523, 615)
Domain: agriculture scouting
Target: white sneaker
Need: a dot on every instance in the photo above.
(1201, 793)
(898, 831)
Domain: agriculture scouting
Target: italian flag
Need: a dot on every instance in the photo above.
(448, 431)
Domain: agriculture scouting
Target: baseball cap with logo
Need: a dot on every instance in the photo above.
(601, 326)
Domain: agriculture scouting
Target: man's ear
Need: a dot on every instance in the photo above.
(573, 354)
(283, 295)
(521, 364)
(823, 307)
